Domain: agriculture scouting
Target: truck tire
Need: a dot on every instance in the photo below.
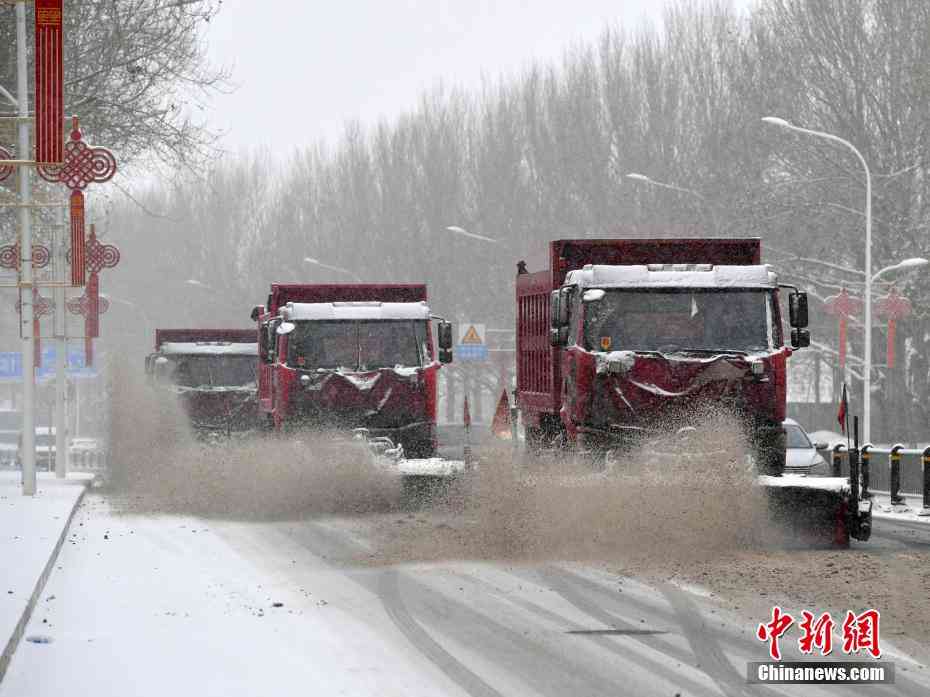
(535, 438)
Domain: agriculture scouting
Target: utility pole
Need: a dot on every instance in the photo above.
(61, 349)
(28, 454)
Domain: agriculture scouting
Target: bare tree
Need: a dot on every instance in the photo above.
(137, 74)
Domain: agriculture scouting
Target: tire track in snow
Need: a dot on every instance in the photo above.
(607, 643)
(388, 590)
(706, 649)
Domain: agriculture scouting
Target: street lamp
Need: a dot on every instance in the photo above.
(337, 269)
(465, 233)
(636, 176)
(906, 264)
(145, 316)
(867, 376)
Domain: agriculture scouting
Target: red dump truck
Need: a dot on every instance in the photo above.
(622, 339)
(213, 372)
(352, 356)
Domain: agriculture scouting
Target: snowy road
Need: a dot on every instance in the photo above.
(179, 606)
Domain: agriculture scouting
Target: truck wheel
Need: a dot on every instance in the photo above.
(596, 447)
(534, 439)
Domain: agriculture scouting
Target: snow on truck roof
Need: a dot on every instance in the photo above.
(355, 311)
(209, 348)
(673, 276)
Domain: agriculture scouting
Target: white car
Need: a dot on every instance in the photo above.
(801, 456)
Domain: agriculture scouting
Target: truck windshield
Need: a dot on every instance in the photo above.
(358, 345)
(213, 371)
(669, 320)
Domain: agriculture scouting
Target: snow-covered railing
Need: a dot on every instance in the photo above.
(894, 470)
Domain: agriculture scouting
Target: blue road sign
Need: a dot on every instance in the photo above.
(11, 365)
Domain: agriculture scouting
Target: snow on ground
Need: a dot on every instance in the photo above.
(30, 527)
(882, 508)
(161, 606)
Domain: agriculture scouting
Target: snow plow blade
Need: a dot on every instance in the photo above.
(817, 510)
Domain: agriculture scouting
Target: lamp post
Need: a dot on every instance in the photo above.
(906, 264)
(337, 269)
(867, 373)
(465, 233)
(636, 176)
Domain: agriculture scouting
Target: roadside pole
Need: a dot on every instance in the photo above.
(61, 350)
(25, 246)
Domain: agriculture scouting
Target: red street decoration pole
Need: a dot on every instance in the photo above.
(82, 165)
(844, 306)
(894, 307)
(49, 98)
(98, 257)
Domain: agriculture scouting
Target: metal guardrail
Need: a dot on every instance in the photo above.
(897, 470)
(90, 460)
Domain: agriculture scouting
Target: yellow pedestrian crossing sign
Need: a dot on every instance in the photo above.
(471, 346)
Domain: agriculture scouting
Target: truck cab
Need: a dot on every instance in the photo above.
(348, 364)
(213, 373)
(643, 348)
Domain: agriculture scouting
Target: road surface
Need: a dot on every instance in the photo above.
(169, 605)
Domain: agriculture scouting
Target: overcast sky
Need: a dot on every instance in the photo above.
(304, 68)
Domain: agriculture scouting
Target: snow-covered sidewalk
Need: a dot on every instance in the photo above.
(31, 528)
(881, 508)
(163, 605)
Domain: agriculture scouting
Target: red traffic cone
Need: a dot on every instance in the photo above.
(500, 426)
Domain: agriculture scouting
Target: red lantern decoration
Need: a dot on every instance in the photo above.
(894, 307)
(844, 306)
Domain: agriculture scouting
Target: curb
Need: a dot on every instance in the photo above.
(7, 656)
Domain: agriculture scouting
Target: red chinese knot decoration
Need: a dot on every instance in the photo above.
(82, 165)
(41, 306)
(893, 306)
(844, 306)
(98, 256)
(49, 81)
(7, 170)
(10, 257)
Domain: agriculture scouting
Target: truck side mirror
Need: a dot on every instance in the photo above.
(564, 306)
(149, 372)
(257, 312)
(555, 304)
(444, 335)
(800, 338)
(797, 310)
(161, 369)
